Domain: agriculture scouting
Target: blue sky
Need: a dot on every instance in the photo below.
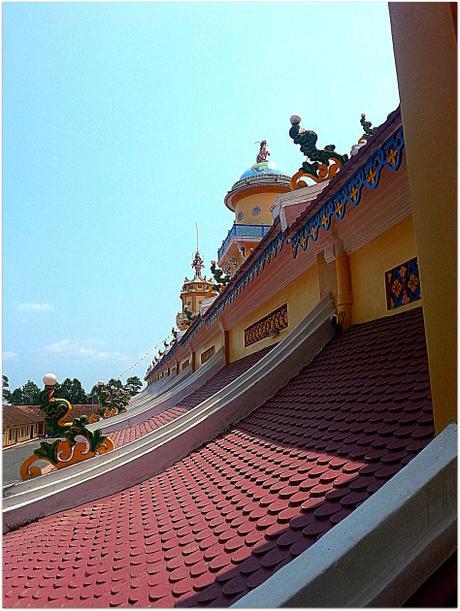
(126, 123)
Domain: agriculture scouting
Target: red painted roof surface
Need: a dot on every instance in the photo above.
(222, 378)
(226, 517)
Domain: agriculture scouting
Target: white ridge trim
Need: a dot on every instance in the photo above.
(166, 398)
(385, 549)
(136, 461)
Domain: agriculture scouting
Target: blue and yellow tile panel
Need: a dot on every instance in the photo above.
(402, 284)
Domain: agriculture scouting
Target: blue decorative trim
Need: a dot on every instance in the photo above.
(368, 175)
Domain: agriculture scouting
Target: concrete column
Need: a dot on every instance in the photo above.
(425, 47)
(344, 294)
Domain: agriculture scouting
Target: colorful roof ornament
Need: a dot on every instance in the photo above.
(263, 153)
(368, 129)
(65, 450)
(323, 164)
(368, 132)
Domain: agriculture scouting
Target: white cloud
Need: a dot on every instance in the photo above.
(88, 350)
(35, 307)
(10, 356)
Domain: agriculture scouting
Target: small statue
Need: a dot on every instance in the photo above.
(174, 333)
(368, 129)
(263, 153)
(221, 278)
(67, 451)
(197, 264)
(319, 167)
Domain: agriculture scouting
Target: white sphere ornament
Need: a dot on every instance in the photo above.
(49, 379)
(100, 382)
(295, 119)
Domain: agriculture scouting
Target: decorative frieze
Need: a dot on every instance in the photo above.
(207, 354)
(268, 326)
(402, 284)
(389, 156)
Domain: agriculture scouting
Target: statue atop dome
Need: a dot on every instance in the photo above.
(263, 153)
(197, 264)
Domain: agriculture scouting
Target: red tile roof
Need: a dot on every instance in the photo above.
(226, 517)
(17, 415)
(222, 378)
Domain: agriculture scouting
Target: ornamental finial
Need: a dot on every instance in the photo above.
(263, 153)
(324, 162)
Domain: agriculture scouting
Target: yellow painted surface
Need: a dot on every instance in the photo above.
(368, 266)
(217, 341)
(301, 295)
(425, 45)
(246, 205)
(233, 252)
(327, 276)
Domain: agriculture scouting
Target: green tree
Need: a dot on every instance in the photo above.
(16, 397)
(133, 385)
(78, 393)
(113, 382)
(93, 396)
(30, 393)
(6, 394)
(72, 390)
(64, 389)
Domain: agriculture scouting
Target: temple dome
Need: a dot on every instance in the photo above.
(264, 167)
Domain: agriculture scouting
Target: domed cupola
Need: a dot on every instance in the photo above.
(262, 177)
(252, 199)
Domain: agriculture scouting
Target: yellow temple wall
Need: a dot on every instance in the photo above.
(301, 295)
(216, 340)
(368, 266)
(426, 58)
(264, 201)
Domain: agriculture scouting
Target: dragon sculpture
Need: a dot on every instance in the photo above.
(322, 164)
(189, 319)
(66, 450)
(112, 401)
(367, 128)
(221, 278)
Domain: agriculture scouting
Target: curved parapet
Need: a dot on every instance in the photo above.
(157, 388)
(136, 461)
(167, 398)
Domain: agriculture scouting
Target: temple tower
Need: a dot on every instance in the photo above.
(193, 292)
(252, 199)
